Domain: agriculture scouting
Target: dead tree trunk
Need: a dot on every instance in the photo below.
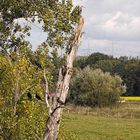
(55, 111)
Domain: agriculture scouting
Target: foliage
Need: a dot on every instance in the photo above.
(57, 18)
(23, 79)
(21, 70)
(95, 88)
(80, 62)
(127, 68)
(24, 75)
(93, 58)
(90, 60)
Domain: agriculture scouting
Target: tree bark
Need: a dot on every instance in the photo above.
(65, 73)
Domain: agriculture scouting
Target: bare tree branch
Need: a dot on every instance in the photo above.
(45, 88)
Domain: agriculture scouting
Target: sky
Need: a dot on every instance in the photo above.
(111, 27)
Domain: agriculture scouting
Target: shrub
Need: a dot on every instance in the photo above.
(95, 88)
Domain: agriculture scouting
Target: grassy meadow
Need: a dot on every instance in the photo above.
(117, 123)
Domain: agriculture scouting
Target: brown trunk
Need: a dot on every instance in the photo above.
(55, 111)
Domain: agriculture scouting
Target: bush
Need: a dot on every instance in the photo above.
(29, 121)
(95, 88)
(26, 123)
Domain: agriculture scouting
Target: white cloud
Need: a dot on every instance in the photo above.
(117, 20)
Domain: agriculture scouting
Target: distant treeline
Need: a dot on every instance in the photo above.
(127, 68)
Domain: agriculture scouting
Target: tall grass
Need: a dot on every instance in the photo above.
(129, 109)
(117, 123)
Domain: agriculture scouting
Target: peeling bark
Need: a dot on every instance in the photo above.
(65, 73)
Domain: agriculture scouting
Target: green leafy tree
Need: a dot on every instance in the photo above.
(95, 57)
(127, 68)
(95, 88)
(33, 72)
(19, 85)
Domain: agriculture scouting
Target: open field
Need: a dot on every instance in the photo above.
(120, 123)
(132, 98)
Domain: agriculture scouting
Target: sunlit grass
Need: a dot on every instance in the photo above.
(117, 123)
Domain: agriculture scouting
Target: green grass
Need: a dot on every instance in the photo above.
(131, 98)
(104, 124)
